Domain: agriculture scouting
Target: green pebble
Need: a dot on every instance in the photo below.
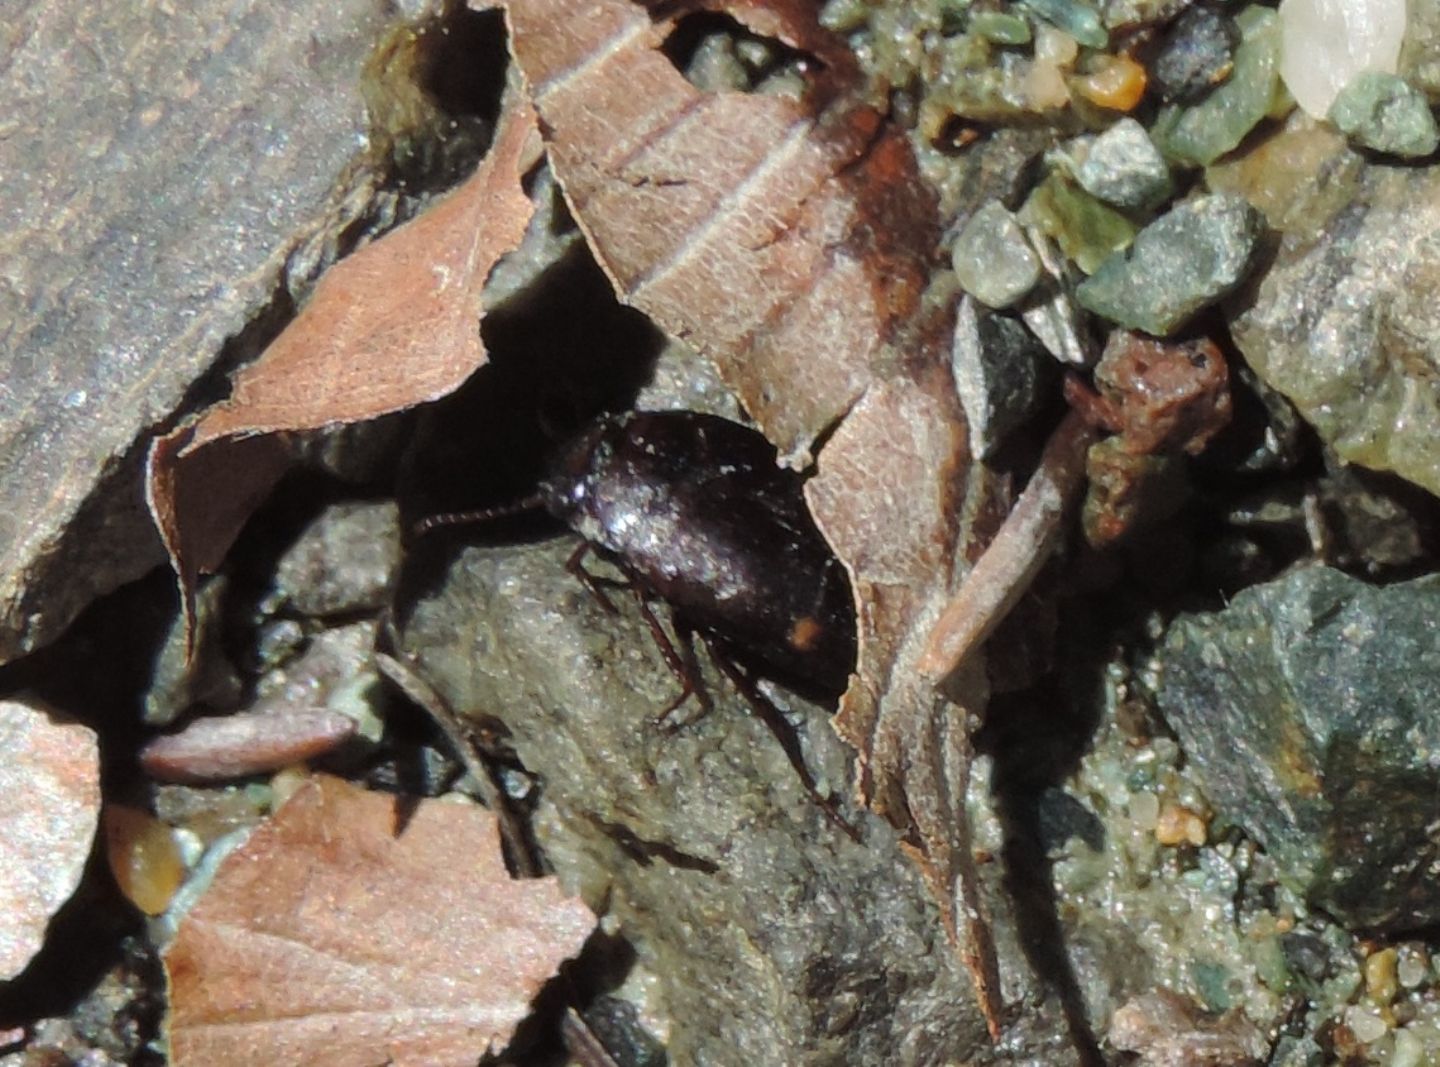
(1000, 27)
(1183, 261)
(1086, 230)
(993, 260)
(1079, 20)
(1385, 113)
(1202, 133)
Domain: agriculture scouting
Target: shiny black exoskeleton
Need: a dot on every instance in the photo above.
(696, 511)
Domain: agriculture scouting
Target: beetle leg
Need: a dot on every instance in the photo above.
(684, 668)
(783, 731)
(576, 566)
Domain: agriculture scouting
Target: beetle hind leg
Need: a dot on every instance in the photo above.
(683, 665)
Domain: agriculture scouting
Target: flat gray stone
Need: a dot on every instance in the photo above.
(1183, 261)
(1310, 708)
(159, 165)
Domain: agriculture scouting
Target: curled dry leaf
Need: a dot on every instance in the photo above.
(340, 934)
(392, 326)
(49, 805)
(765, 231)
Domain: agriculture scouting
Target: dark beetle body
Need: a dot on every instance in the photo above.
(696, 511)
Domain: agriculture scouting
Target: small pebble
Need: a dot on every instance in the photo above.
(1412, 966)
(1123, 167)
(222, 747)
(144, 858)
(1080, 20)
(1179, 825)
(993, 260)
(1000, 27)
(1185, 260)
(1385, 113)
(1381, 980)
(1326, 43)
(1118, 84)
(1365, 1024)
(1196, 55)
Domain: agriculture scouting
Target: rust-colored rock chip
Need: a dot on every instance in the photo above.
(342, 933)
(49, 805)
(788, 240)
(392, 326)
(219, 747)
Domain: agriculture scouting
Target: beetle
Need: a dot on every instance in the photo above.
(695, 511)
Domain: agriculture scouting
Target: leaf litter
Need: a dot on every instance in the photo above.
(340, 933)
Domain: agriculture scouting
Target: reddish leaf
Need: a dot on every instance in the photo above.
(49, 804)
(788, 240)
(340, 933)
(392, 326)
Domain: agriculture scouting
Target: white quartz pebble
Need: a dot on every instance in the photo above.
(1325, 43)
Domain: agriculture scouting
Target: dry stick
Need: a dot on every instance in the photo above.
(581, 1042)
(998, 580)
(1024, 543)
(409, 682)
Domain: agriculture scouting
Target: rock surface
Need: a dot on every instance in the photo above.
(1308, 707)
(154, 181)
(1344, 322)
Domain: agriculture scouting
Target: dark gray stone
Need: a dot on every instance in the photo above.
(996, 364)
(1185, 260)
(344, 561)
(158, 167)
(1310, 708)
(1197, 54)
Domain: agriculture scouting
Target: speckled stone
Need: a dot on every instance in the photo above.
(1203, 132)
(1308, 708)
(1385, 113)
(1188, 258)
(1077, 18)
(1124, 168)
(1196, 55)
(993, 260)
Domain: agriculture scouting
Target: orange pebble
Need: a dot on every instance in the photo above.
(143, 857)
(1178, 825)
(1118, 85)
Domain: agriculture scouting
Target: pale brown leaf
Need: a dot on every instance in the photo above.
(341, 933)
(49, 805)
(394, 325)
(789, 241)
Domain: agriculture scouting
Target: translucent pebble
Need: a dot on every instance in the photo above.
(1325, 43)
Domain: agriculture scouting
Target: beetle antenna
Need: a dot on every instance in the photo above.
(533, 502)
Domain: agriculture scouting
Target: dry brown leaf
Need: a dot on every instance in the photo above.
(392, 326)
(219, 747)
(340, 934)
(49, 806)
(788, 241)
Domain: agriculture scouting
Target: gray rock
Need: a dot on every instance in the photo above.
(1345, 323)
(771, 936)
(158, 168)
(1385, 113)
(1188, 258)
(343, 562)
(996, 364)
(1124, 168)
(1197, 54)
(992, 258)
(1310, 708)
